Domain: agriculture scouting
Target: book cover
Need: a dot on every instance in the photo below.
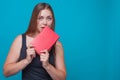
(45, 40)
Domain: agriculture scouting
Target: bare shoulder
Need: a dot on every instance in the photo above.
(17, 43)
(59, 48)
(58, 44)
(18, 38)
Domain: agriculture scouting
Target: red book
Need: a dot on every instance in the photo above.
(44, 40)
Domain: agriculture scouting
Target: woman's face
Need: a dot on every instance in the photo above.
(45, 18)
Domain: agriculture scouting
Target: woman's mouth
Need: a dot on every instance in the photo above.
(42, 28)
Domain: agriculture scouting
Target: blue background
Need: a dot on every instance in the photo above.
(88, 29)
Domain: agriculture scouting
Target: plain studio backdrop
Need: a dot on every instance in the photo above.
(89, 31)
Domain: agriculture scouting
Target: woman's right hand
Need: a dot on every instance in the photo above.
(30, 53)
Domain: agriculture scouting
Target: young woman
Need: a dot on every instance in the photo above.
(49, 65)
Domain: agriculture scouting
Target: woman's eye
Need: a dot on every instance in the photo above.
(49, 18)
(40, 18)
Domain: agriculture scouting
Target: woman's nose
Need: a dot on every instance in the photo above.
(45, 22)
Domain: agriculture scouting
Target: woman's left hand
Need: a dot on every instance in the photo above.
(44, 57)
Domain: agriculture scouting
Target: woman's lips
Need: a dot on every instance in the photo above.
(42, 28)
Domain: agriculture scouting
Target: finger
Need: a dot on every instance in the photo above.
(31, 51)
(44, 51)
(44, 56)
(30, 46)
(34, 55)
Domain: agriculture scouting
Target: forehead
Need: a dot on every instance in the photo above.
(45, 12)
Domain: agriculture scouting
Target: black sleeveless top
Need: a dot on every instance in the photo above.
(34, 71)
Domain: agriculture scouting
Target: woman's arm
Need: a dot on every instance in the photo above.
(58, 72)
(12, 66)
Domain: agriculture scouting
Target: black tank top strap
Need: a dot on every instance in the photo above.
(23, 48)
(24, 40)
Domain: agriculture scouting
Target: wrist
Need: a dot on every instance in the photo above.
(46, 66)
(26, 61)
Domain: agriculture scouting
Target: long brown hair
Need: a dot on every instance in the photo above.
(33, 22)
